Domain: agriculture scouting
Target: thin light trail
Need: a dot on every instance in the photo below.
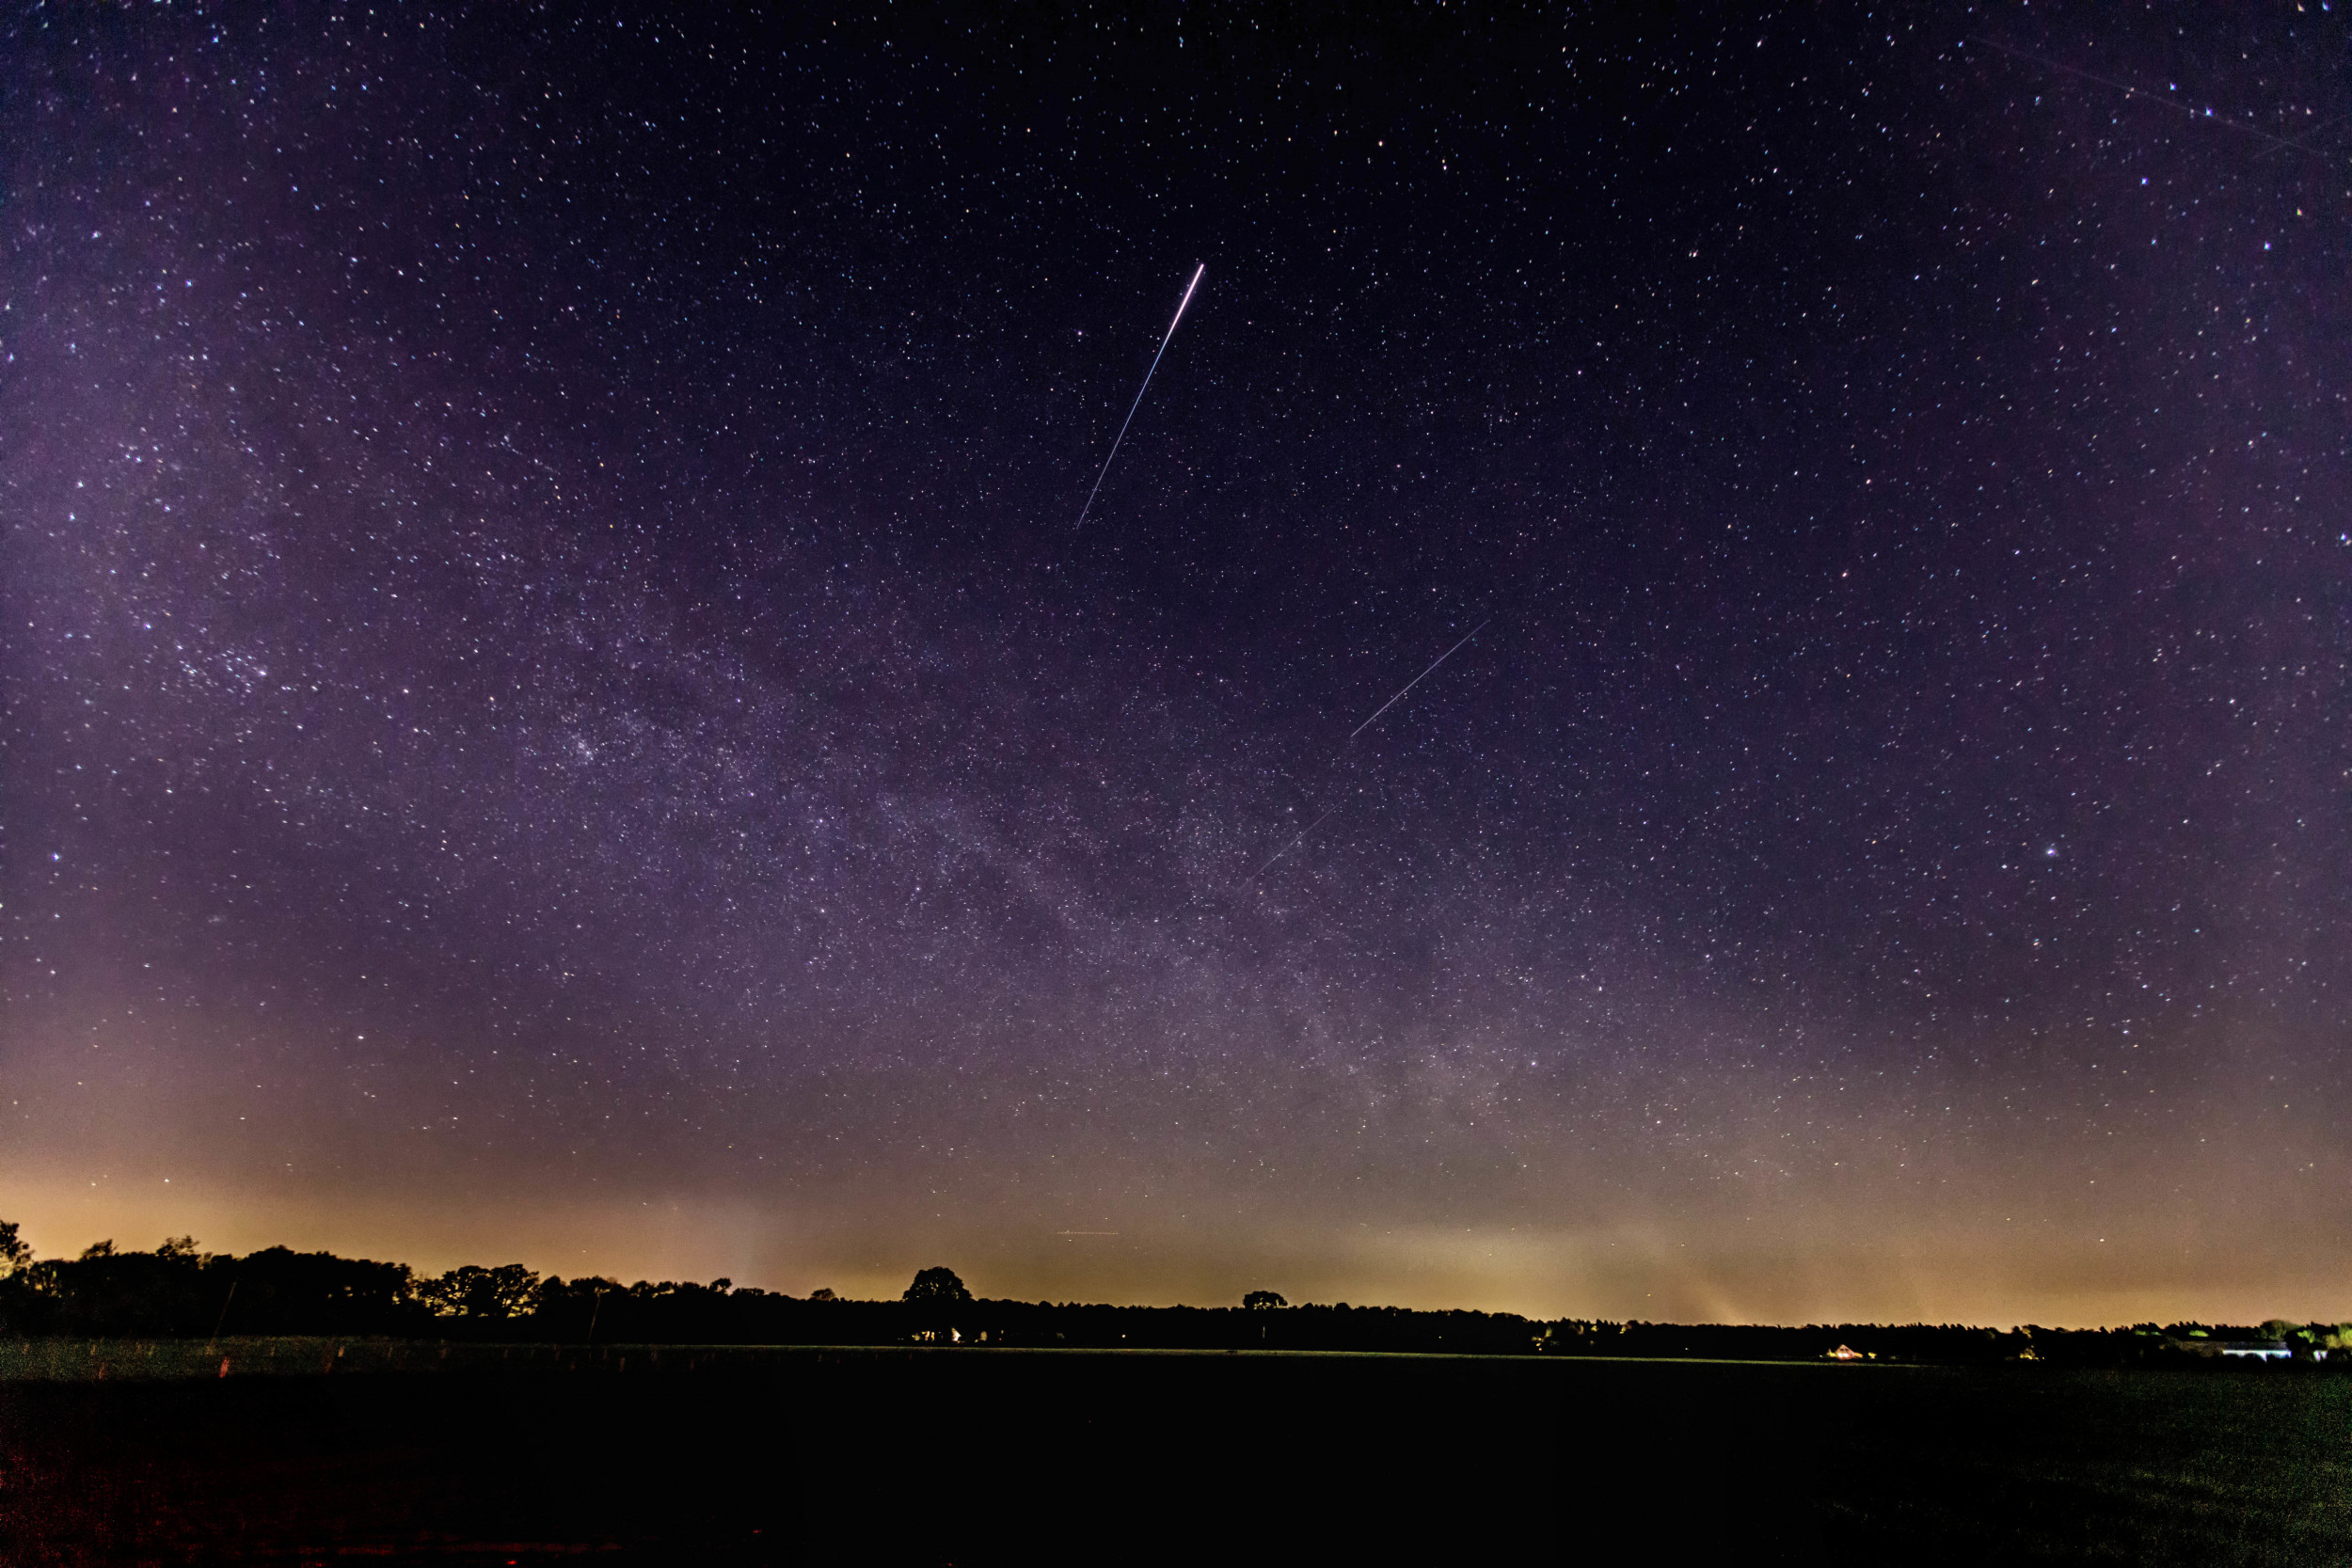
(1299, 839)
(2302, 142)
(1139, 391)
(2278, 143)
(1418, 679)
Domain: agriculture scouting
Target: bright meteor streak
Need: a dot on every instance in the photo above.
(1139, 391)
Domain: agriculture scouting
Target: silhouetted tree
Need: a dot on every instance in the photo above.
(107, 1291)
(21, 1310)
(1259, 1301)
(491, 1295)
(935, 1297)
(279, 1291)
(937, 1288)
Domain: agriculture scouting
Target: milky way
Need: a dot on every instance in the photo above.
(555, 709)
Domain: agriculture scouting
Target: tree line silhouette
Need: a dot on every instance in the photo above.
(179, 1292)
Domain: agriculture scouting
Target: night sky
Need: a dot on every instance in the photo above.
(558, 707)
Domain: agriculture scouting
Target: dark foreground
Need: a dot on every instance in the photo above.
(1017, 1457)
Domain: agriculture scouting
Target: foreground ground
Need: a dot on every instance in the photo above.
(1016, 1457)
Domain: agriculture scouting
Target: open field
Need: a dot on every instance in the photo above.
(730, 1454)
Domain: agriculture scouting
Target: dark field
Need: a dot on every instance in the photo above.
(969, 1456)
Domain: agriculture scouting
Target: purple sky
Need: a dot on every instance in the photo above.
(555, 709)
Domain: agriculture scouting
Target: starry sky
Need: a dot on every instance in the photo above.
(558, 707)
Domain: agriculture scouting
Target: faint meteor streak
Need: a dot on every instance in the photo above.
(1300, 837)
(2148, 95)
(1139, 391)
(1417, 680)
(1296, 840)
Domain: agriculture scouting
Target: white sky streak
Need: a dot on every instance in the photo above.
(1139, 391)
(1418, 679)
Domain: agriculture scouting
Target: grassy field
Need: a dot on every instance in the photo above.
(705, 1454)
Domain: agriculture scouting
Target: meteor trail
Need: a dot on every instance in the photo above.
(1294, 843)
(2294, 144)
(1139, 391)
(1416, 681)
(1300, 837)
